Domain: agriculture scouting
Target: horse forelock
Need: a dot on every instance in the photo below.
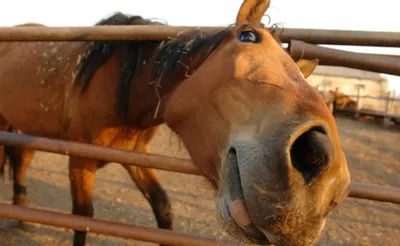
(177, 56)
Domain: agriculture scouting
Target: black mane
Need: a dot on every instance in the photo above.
(170, 57)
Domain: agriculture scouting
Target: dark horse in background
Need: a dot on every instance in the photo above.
(262, 136)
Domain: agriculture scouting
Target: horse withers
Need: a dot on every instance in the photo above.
(261, 135)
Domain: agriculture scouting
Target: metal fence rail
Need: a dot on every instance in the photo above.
(82, 223)
(153, 32)
(375, 192)
(297, 49)
(173, 164)
(99, 153)
(335, 57)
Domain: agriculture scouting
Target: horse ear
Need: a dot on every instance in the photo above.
(307, 66)
(252, 11)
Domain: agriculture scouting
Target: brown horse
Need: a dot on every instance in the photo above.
(338, 100)
(262, 136)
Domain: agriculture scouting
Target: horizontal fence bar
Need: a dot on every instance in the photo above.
(173, 164)
(334, 57)
(341, 37)
(375, 192)
(92, 33)
(82, 223)
(146, 160)
(370, 97)
(370, 113)
(155, 32)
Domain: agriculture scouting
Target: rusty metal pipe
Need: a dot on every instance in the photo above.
(333, 57)
(375, 192)
(81, 223)
(104, 33)
(100, 153)
(340, 37)
(153, 32)
(173, 164)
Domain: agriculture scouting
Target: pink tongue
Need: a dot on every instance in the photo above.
(239, 212)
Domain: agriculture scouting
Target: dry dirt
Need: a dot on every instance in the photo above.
(373, 154)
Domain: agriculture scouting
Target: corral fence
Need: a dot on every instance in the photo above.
(307, 48)
(386, 108)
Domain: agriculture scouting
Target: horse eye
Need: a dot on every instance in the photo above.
(248, 36)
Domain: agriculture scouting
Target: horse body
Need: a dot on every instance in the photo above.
(262, 136)
(43, 85)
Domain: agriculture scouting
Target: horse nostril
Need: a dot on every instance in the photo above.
(311, 152)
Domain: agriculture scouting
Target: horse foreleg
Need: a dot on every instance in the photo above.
(19, 161)
(82, 176)
(147, 182)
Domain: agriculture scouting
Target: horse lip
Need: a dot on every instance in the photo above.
(236, 192)
(251, 231)
(235, 185)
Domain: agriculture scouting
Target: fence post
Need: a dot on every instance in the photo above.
(334, 101)
(358, 107)
(387, 118)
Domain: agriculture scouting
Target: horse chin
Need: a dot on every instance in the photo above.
(248, 233)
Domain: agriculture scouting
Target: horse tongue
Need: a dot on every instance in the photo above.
(239, 212)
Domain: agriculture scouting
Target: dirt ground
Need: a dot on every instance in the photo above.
(373, 155)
